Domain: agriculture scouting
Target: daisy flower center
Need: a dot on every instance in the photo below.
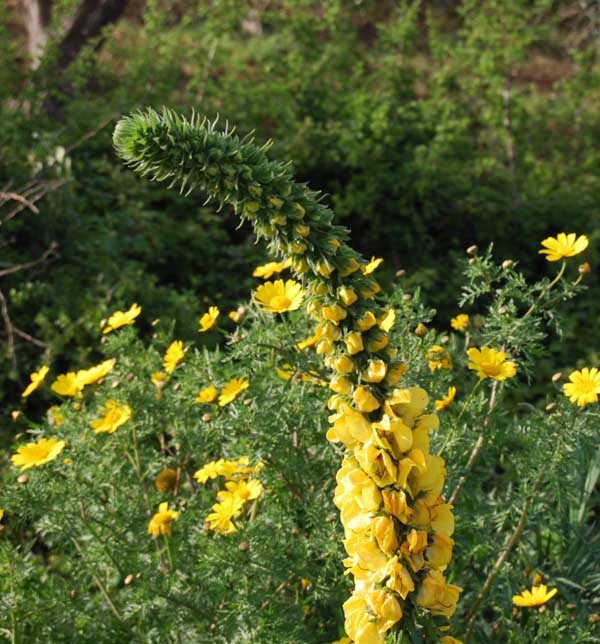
(280, 302)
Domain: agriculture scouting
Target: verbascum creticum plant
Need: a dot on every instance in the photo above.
(397, 526)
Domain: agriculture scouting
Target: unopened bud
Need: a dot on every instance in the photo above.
(244, 545)
(128, 580)
(585, 268)
(550, 406)
(557, 376)
(400, 273)
(471, 260)
(206, 418)
(507, 263)
(472, 250)
(502, 310)
(421, 330)
(444, 339)
(407, 297)
(22, 479)
(330, 517)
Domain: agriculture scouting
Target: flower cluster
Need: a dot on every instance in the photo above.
(241, 486)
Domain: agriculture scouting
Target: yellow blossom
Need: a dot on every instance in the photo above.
(122, 318)
(437, 595)
(207, 395)
(446, 400)
(367, 321)
(347, 295)
(267, 270)
(160, 523)
(364, 400)
(220, 519)
(173, 356)
(1, 514)
(388, 320)
(94, 374)
(209, 319)
(584, 386)
(460, 322)
(538, 596)
(308, 342)
(563, 245)
(37, 453)
(490, 363)
(232, 390)
(369, 268)
(376, 370)
(67, 384)
(37, 377)
(115, 415)
(354, 343)
(279, 296)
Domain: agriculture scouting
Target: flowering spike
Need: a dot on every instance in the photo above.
(397, 526)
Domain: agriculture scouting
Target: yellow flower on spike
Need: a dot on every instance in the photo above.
(446, 400)
(369, 268)
(270, 268)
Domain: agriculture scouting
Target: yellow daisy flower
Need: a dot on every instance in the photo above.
(270, 268)
(584, 386)
(489, 363)
(67, 384)
(220, 519)
(55, 416)
(115, 415)
(446, 400)
(207, 395)
(36, 454)
(538, 596)
(563, 245)
(460, 322)
(122, 318)
(37, 377)
(208, 320)
(173, 356)
(160, 523)
(93, 374)
(279, 296)
(232, 390)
